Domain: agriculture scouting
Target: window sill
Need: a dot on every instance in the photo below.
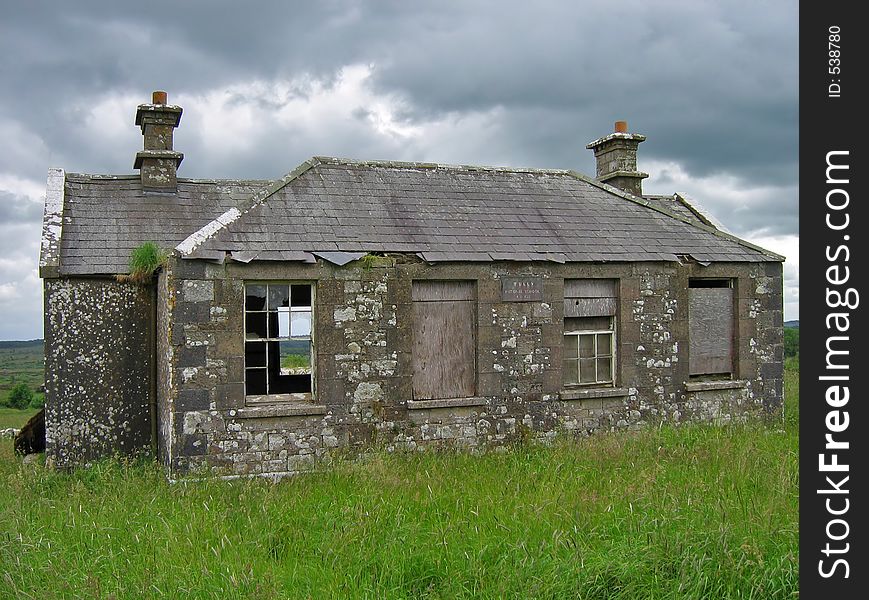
(275, 399)
(589, 393)
(278, 410)
(445, 403)
(704, 386)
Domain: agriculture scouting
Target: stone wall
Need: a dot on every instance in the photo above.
(364, 363)
(99, 380)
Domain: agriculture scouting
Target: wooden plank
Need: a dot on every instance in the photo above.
(437, 290)
(590, 288)
(589, 307)
(588, 323)
(710, 331)
(444, 349)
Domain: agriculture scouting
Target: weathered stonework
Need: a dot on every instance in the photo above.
(440, 295)
(99, 385)
(363, 377)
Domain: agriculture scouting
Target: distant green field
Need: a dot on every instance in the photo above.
(11, 417)
(21, 362)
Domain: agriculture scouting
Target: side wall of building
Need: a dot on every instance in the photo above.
(99, 369)
(363, 345)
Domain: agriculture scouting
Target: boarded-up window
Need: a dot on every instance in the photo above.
(588, 345)
(710, 327)
(444, 339)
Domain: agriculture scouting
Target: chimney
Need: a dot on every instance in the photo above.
(158, 162)
(616, 156)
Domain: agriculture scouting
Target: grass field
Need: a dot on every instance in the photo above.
(692, 512)
(11, 417)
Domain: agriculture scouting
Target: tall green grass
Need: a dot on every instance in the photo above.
(689, 512)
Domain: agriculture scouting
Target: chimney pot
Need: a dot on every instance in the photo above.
(616, 157)
(159, 97)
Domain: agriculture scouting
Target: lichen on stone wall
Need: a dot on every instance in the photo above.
(99, 369)
(364, 365)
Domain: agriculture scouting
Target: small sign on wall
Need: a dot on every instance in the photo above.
(522, 289)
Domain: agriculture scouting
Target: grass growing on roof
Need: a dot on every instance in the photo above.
(144, 262)
(689, 512)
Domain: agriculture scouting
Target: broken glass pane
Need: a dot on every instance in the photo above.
(279, 295)
(255, 325)
(289, 367)
(295, 357)
(255, 354)
(301, 295)
(255, 297)
(255, 382)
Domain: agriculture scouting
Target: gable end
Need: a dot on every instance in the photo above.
(52, 224)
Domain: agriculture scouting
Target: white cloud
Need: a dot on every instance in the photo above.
(18, 186)
(8, 291)
(742, 206)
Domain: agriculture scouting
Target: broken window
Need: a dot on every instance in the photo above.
(277, 331)
(444, 339)
(710, 327)
(588, 348)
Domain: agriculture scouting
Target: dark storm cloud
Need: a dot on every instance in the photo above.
(713, 85)
(18, 209)
(777, 215)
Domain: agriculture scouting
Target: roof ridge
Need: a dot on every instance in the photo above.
(333, 160)
(198, 237)
(130, 177)
(662, 210)
(699, 212)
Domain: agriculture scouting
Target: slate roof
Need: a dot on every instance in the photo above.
(460, 213)
(340, 209)
(106, 217)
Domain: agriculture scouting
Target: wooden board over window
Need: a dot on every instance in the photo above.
(710, 330)
(435, 291)
(444, 339)
(590, 297)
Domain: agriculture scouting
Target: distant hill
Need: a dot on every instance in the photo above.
(20, 362)
(794, 324)
(20, 344)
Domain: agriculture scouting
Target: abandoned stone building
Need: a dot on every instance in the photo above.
(404, 305)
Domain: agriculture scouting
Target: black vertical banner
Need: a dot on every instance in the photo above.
(834, 225)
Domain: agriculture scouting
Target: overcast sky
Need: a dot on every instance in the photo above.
(265, 85)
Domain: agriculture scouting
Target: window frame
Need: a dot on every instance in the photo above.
(592, 292)
(280, 398)
(578, 333)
